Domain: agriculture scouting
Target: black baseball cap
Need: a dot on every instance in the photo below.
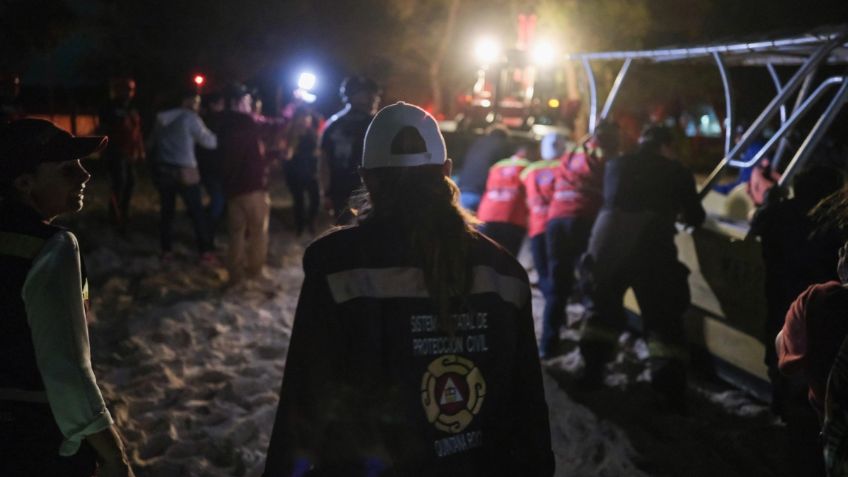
(26, 143)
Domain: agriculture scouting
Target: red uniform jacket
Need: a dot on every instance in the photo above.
(538, 179)
(503, 200)
(578, 184)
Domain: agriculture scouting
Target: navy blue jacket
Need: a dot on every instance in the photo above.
(373, 387)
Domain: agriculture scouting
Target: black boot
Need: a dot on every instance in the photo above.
(596, 355)
(668, 378)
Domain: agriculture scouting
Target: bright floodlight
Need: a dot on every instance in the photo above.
(487, 50)
(306, 81)
(544, 54)
(306, 96)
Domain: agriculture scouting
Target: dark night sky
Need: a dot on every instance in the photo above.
(80, 43)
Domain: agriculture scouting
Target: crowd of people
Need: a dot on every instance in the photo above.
(599, 221)
(608, 220)
(216, 153)
(413, 349)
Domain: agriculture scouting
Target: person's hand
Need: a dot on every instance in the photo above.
(111, 457)
(115, 468)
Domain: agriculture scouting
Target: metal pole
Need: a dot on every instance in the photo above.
(770, 110)
(816, 134)
(778, 87)
(616, 86)
(702, 51)
(776, 164)
(728, 102)
(593, 95)
(791, 122)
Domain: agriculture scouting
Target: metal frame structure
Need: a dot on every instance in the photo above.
(809, 51)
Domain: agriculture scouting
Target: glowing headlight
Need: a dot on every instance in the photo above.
(544, 54)
(306, 81)
(487, 50)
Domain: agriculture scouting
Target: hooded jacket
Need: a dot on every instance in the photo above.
(174, 136)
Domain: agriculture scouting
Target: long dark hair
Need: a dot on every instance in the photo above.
(424, 205)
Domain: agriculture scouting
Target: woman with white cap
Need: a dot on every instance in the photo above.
(413, 350)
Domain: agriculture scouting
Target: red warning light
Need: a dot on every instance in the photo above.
(199, 80)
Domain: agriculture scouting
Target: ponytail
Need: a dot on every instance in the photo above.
(423, 203)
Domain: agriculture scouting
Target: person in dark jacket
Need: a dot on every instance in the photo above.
(835, 428)
(120, 121)
(632, 245)
(53, 420)
(480, 157)
(341, 143)
(301, 169)
(209, 163)
(413, 350)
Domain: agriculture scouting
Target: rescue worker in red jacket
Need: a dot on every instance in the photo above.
(503, 208)
(576, 199)
(413, 350)
(538, 179)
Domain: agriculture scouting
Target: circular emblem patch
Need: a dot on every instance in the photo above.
(452, 392)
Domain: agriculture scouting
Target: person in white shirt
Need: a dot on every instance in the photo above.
(53, 420)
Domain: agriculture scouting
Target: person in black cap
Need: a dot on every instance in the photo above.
(413, 350)
(632, 245)
(53, 420)
(341, 142)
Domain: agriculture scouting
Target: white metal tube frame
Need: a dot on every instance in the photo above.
(616, 86)
(815, 135)
(778, 87)
(593, 95)
(728, 102)
(777, 162)
(791, 121)
(771, 109)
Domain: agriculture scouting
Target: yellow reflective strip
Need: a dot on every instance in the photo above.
(408, 282)
(658, 349)
(20, 245)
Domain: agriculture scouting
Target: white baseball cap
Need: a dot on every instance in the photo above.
(384, 130)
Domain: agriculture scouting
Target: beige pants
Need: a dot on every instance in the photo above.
(247, 224)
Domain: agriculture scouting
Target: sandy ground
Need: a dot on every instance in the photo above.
(191, 371)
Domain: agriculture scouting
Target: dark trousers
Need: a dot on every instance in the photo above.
(30, 441)
(539, 251)
(509, 236)
(192, 198)
(123, 182)
(304, 190)
(662, 291)
(217, 201)
(566, 239)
